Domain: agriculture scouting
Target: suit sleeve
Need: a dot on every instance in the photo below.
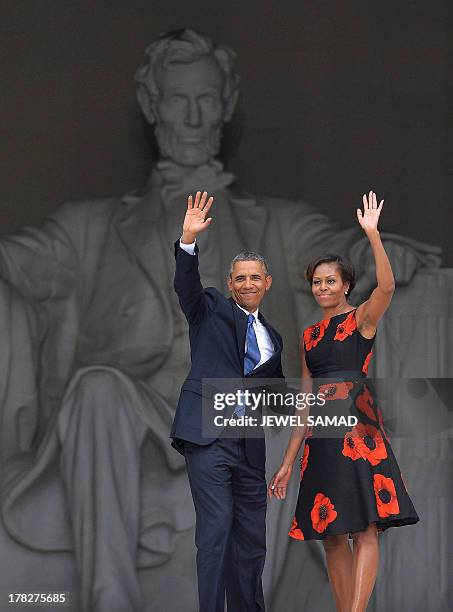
(192, 297)
(280, 387)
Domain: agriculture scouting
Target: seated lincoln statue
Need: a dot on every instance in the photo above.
(95, 347)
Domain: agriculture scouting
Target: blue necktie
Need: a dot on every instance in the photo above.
(251, 358)
(252, 354)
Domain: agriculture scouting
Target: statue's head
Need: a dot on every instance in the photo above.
(188, 88)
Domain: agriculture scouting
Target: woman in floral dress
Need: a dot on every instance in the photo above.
(350, 482)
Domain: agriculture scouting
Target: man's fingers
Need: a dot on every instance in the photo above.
(370, 200)
(364, 200)
(189, 202)
(197, 199)
(203, 199)
(208, 205)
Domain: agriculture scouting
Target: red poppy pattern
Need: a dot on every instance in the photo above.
(381, 424)
(351, 446)
(314, 334)
(364, 402)
(351, 478)
(295, 532)
(323, 513)
(346, 327)
(366, 363)
(370, 443)
(336, 391)
(386, 499)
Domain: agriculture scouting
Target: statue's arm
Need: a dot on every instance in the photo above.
(41, 263)
(309, 234)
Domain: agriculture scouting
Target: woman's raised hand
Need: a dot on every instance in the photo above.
(368, 219)
(195, 220)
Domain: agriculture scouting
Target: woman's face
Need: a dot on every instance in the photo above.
(327, 285)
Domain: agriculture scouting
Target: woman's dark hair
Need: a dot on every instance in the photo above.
(344, 265)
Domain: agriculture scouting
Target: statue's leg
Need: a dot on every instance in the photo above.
(22, 325)
(101, 435)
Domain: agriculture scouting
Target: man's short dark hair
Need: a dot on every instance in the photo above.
(250, 256)
(346, 268)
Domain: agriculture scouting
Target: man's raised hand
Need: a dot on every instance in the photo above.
(195, 220)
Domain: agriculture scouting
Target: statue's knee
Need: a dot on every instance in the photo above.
(25, 319)
(99, 393)
(98, 399)
(98, 380)
(9, 292)
(6, 288)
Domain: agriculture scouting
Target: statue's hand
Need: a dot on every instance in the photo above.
(406, 256)
(404, 259)
(195, 220)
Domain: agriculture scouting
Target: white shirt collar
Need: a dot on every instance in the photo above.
(255, 314)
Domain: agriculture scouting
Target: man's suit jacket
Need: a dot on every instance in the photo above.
(217, 329)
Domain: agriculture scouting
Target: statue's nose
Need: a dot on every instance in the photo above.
(193, 114)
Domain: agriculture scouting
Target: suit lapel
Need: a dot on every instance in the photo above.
(240, 322)
(271, 332)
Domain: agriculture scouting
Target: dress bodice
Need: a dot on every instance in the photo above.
(335, 345)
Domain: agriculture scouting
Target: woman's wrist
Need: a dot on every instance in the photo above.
(373, 234)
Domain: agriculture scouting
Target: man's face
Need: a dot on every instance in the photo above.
(190, 112)
(248, 283)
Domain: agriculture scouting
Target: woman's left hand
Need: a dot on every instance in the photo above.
(368, 219)
(279, 482)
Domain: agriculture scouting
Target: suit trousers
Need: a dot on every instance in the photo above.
(230, 503)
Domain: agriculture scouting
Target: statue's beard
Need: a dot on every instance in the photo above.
(189, 149)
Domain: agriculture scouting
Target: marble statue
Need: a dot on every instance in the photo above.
(95, 347)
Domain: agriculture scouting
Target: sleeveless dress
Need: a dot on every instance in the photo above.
(349, 476)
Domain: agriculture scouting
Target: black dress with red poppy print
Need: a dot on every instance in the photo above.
(349, 476)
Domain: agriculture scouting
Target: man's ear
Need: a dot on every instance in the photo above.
(231, 105)
(268, 282)
(146, 103)
(229, 282)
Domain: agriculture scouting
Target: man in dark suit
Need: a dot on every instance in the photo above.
(229, 338)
